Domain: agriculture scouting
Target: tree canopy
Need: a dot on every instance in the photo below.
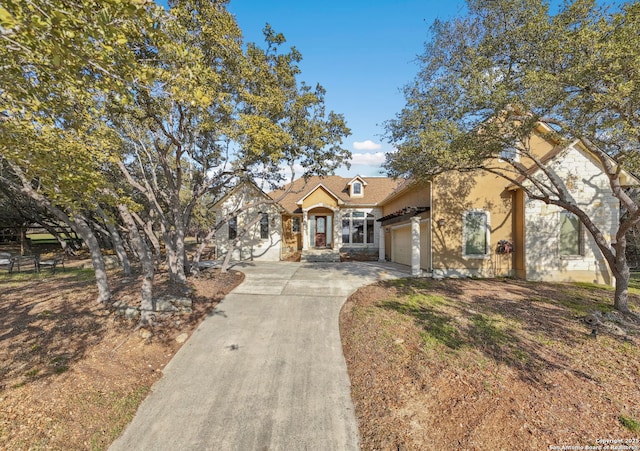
(121, 112)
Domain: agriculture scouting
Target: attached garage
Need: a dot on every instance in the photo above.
(401, 244)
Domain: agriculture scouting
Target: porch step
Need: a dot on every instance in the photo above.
(320, 255)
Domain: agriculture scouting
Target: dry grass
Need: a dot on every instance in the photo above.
(489, 365)
(71, 373)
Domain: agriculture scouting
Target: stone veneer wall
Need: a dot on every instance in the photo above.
(590, 188)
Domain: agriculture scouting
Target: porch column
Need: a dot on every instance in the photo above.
(381, 244)
(415, 246)
(337, 229)
(305, 230)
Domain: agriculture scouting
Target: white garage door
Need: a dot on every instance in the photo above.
(401, 245)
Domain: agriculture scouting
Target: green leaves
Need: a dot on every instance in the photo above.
(174, 95)
(61, 61)
(579, 69)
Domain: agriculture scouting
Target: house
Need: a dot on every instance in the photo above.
(321, 217)
(335, 214)
(249, 223)
(473, 224)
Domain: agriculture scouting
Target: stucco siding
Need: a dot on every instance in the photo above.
(319, 197)
(519, 263)
(418, 196)
(453, 195)
(425, 245)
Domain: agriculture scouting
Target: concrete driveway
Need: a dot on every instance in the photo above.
(265, 371)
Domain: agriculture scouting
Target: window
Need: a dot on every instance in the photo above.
(295, 224)
(264, 226)
(346, 229)
(356, 187)
(369, 227)
(570, 234)
(475, 234)
(357, 228)
(233, 228)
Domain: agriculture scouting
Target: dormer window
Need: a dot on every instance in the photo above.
(356, 187)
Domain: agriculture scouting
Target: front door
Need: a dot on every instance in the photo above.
(321, 231)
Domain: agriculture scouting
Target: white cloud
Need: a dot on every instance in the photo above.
(366, 145)
(298, 170)
(369, 159)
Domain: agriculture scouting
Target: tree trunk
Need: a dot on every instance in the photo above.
(621, 297)
(180, 253)
(83, 229)
(622, 274)
(118, 245)
(241, 234)
(80, 226)
(147, 305)
(174, 243)
(151, 236)
(614, 253)
(201, 247)
(63, 243)
(174, 248)
(227, 258)
(170, 255)
(25, 247)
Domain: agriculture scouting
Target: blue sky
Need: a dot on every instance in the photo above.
(362, 52)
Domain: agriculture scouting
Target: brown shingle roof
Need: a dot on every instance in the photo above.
(375, 191)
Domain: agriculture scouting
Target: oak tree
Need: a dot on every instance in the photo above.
(59, 60)
(487, 82)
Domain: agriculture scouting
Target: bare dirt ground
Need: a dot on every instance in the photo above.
(491, 365)
(71, 372)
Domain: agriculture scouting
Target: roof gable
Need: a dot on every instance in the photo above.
(320, 187)
(627, 178)
(356, 186)
(242, 185)
(357, 178)
(245, 193)
(400, 189)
